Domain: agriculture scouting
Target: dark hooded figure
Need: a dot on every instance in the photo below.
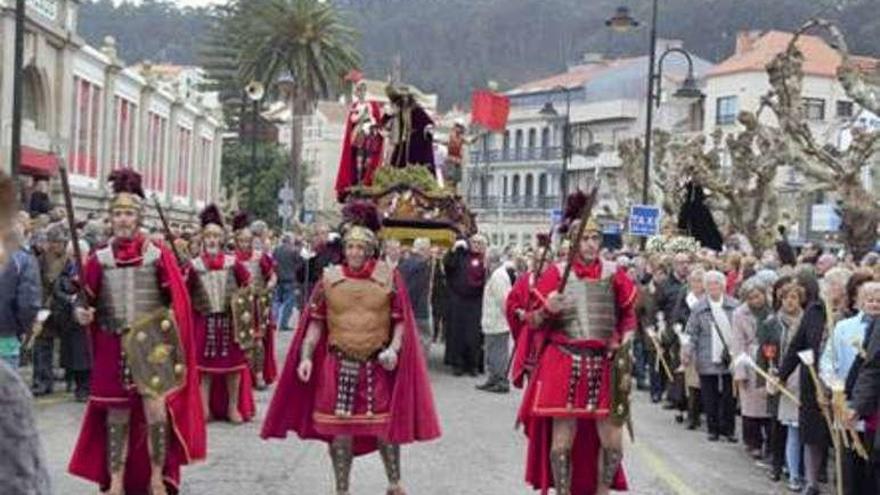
(696, 220)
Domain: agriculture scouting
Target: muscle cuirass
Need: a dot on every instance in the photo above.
(128, 294)
(595, 307)
(218, 286)
(358, 311)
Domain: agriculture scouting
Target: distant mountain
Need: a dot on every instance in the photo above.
(451, 46)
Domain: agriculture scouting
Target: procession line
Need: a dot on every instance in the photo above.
(661, 469)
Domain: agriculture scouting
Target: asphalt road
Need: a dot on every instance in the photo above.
(478, 454)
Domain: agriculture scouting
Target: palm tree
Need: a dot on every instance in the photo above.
(306, 43)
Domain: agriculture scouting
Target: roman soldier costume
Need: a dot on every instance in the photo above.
(261, 268)
(143, 419)
(369, 388)
(223, 319)
(578, 372)
(362, 143)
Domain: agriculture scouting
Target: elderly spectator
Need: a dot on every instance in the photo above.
(809, 337)
(416, 273)
(825, 263)
(496, 331)
(392, 252)
(744, 347)
(833, 292)
(775, 335)
(710, 332)
(688, 299)
(51, 262)
(840, 360)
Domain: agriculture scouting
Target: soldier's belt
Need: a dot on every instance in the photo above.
(573, 350)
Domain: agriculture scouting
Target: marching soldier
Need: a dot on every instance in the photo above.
(143, 419)
(576, 401)
(223, 320)
(355, 375)
(261, 267)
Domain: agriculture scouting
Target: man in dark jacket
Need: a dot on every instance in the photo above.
(289, 263)
(865, 399)
(416, 273)
(20, 300)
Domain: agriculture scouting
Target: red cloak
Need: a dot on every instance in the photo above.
(270, 363)
(188, 441)
(345, 175)
(413, 416)
(236, 362)
(539, 429)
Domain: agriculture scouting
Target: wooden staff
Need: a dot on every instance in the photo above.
(659, 352)
(574, 251)
(809, 360)
(772, 380)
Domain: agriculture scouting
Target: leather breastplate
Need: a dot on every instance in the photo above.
(594, 316)
(358, 311)
(128, 294)
(217, 286)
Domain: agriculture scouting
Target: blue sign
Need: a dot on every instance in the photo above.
(644, 220)
(556, 216)
(612, 228)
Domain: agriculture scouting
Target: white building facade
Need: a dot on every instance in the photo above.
(515, 177)
(84, 108)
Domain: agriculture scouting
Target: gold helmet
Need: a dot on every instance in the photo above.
(361, 222)
(128, 191)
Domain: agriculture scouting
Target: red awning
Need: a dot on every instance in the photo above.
(36, 162)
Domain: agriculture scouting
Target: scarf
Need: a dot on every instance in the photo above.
(722, 327)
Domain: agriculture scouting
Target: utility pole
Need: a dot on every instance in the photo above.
(17, 90)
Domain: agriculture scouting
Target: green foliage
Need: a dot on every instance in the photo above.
(416, 176)
(272, 169)
(451, 46)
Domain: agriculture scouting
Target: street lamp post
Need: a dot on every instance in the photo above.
(550, 112)
(255, 93)
(17, 90)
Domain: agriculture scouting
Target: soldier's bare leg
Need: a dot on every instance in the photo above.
(157, 434)
(610, 454)
(341, 457)
(206, 395)
(117, 448)
(390, 453)
(564, 430)
(233, 381)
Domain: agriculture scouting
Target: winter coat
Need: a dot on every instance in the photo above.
(752, 392)
(810, 335)
(699, 329)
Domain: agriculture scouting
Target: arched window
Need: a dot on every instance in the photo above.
(33, 102)
(516, 189)
(542, 185)
(530, 188)
(545, 143)
(533, 140)
(504, 189)
(505, 150)
(518, 144)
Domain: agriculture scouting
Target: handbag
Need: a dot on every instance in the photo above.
(726, 358)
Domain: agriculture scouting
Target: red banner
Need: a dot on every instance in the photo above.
(490, 109)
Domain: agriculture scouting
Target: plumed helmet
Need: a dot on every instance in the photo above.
(241, 221)
(361, 222)
(211, 216)
(128, 190)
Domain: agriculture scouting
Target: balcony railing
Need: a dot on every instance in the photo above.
(513, 203)
(517, 155)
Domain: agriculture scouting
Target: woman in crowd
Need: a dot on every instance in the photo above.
(775, 335)
(710, 332)
(810, 335)
(690, 296)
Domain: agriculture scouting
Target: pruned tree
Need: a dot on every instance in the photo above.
(743, 193)
(828, 167)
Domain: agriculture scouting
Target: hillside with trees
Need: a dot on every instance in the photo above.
(451, 46)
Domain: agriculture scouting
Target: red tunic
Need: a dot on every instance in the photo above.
(548, 394)
(217, 352)
(267, 340)
(346, 175)
(187, 442)
(403, 411)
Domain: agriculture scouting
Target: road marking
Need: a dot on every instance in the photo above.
(51, 400)
(662, 470)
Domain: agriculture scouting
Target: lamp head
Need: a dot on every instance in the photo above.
(622, 21)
